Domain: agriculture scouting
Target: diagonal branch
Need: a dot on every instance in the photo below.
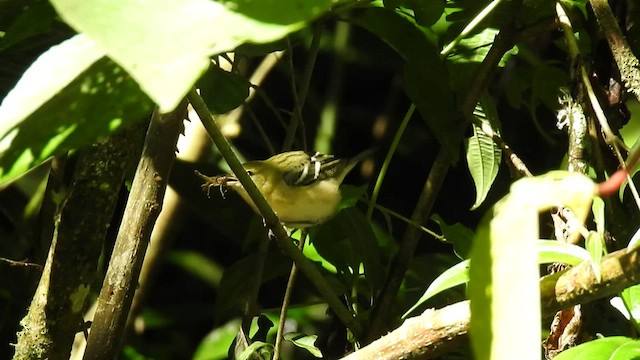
(436, 331)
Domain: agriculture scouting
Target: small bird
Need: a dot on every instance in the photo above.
(302, 188)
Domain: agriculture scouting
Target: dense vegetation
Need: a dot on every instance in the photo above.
(494, 220)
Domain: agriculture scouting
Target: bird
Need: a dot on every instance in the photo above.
(302, 188)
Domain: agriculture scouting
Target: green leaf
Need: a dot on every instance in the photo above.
(504, 276)
(223, 91)
(259, 348)
(474, 49)
(306, 342)
(35, 20)
(610, 348)
(459, 235)
(549, 251)
(165, 44)
(595, 246)
(427, 12)
(69, 97)
(483, 155)
(454, 276)
(215, 345)
(426, 77)
(347, 241)
(631, 299)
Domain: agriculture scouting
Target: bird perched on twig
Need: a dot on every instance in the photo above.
(302, 188)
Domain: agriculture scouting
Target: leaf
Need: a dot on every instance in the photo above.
(347, 241)
(483, 155)
(165, 44)
(595, 246)
(631, 299)
(504, 277)
(474, 49)
(262, 349)
(459, 235)
(610, 348)
(215, 344)
(34, 20)
(306, 342)
(549, 251)
(84, 97)
(223, 91)
(454, 276)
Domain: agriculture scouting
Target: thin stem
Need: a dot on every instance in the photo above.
(287, 299)
(469, 28)
(270, 218)
(387, 160)
(300, 97)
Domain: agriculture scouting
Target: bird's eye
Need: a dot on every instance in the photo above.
(250, 172)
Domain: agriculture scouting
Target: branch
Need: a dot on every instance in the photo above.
(436, 331)
(81, 223)
(142, 210)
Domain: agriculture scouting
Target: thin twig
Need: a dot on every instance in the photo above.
(270, 219)
(287, 299)
(300, 97)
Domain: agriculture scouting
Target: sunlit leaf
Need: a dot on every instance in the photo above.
(69, 97)
(610, 348)
(165, 45)
(549, 251)
(504, 277)
(483, 155)
(306, 342)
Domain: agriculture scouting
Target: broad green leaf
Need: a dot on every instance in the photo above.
(223, 91)
(426, 77)
(549, 251)
(69, 97)
(347, 241)
(306, 342)
(546, 81)
(36, 19)
(427, 12)
(483, 155)
(504, 286)
(474, 49)
(262, 349)
(215, 345)
(504, 276)
(631, 299)
(165, 44)
(610, 348)
(456, 275)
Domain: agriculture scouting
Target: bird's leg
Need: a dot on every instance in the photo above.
(213, 181)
